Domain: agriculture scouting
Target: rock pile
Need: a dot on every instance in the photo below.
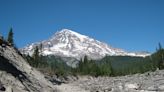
(147, 82)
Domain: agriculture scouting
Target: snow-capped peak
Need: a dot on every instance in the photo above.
(67, 31)
(67, 43)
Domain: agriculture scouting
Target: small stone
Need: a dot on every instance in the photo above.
(161, 87)
(132, 86)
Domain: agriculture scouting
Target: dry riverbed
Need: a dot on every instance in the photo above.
(147, 82)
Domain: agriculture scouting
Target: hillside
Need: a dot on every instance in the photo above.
(16, 75)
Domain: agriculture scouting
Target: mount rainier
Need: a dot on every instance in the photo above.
(67, 43)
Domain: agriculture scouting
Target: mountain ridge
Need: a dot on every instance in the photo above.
(68, 43)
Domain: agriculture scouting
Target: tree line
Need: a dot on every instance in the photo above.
(108, 66)
(9, 40)
(122, 65)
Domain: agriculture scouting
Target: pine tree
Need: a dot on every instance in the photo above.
(86, 65)
(160, 46)
(1, 39)
(41, 48)
(36, 56)
(36, 53)
(80, 67)
(10, 37)
(159, 57)
(85, 59)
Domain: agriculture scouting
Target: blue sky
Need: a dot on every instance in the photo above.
(133, 25)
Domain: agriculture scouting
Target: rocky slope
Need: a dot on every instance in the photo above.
(147, 82)
(18, 76)
(67, 43)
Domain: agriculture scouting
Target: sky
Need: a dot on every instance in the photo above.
(132, 25)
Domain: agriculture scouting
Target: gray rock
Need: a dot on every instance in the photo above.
(17, 75)
(2, 88)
